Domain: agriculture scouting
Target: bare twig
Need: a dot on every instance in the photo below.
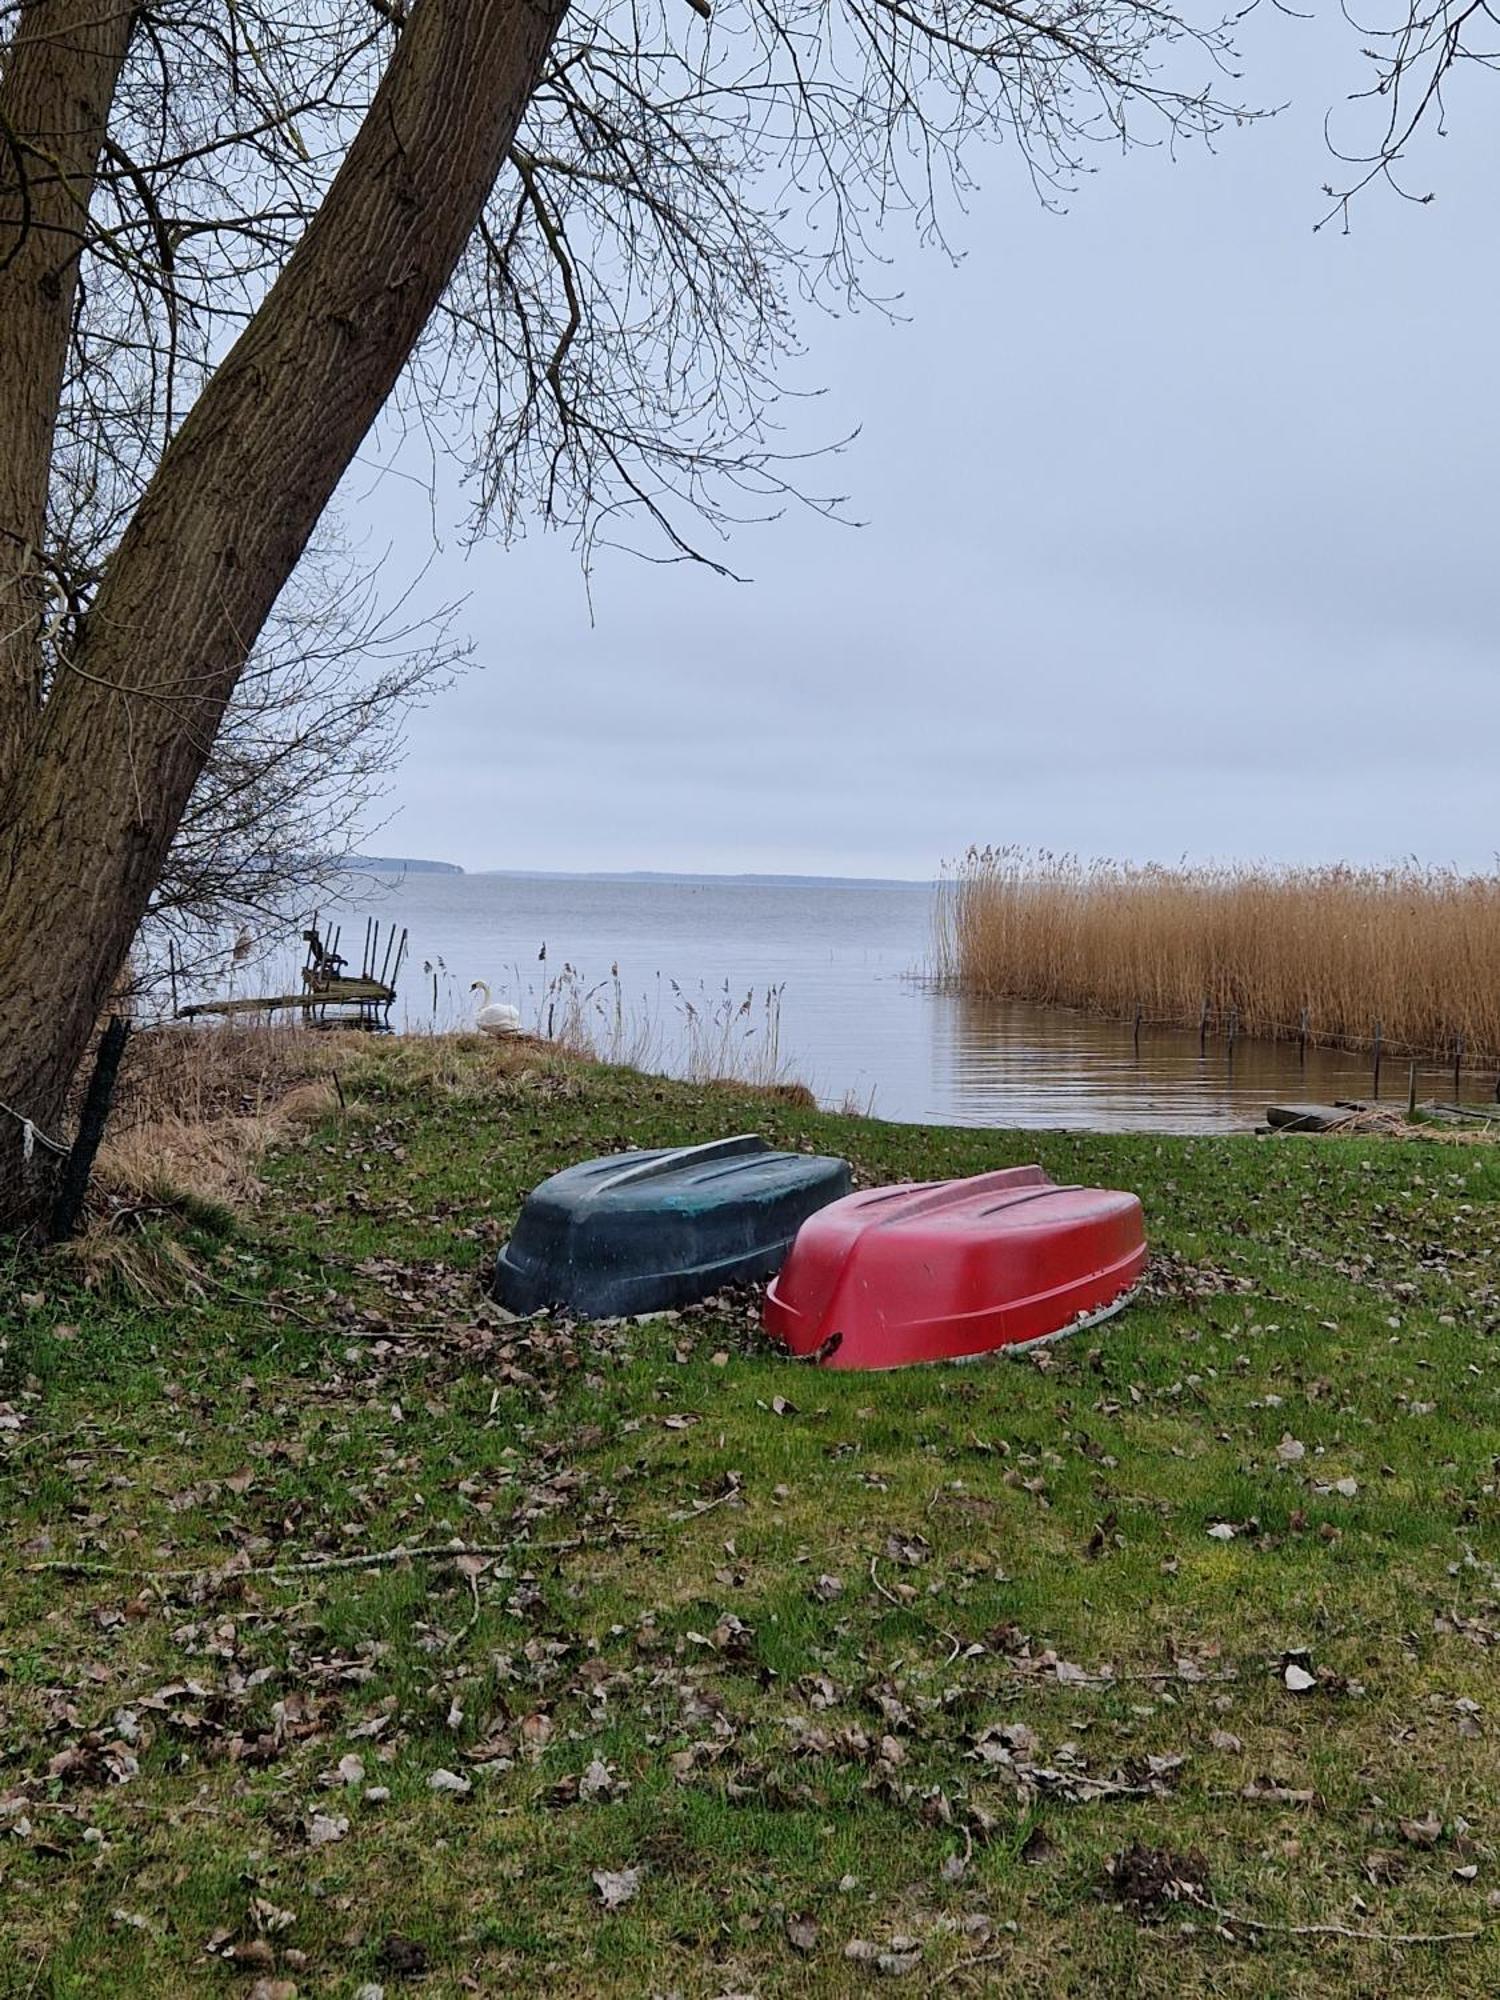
(889, 1595)
(970, 1964)
(1344, 1930)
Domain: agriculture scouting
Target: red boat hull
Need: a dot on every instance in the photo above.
(938, 1270)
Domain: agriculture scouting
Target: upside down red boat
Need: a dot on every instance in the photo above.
(937, 1270)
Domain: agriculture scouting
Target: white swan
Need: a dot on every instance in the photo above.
(494, 1017)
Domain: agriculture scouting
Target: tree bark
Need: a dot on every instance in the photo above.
(62, 64)
(127, 727)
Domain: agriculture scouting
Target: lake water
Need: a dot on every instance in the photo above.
(848, 1013)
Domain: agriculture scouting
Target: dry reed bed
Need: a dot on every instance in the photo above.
(1414, 950)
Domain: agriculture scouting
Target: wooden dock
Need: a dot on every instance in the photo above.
(329, 997)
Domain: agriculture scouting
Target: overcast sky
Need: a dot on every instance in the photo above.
(1180, 539)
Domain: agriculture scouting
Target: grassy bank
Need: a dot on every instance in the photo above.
(1415, 950)
(751, 1679)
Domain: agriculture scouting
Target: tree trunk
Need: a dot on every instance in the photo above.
(62, 63)
(127, 728)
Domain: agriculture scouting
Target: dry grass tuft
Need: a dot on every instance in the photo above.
(795, 1094)
(196, 1110)
(151, 1268)
(163, 1159)
(194, 1113)
(197, 1074)
(1416, 950)
(471, 1068)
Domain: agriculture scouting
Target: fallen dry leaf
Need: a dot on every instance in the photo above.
(802, 1933)
(1424, 1832)
(599, 1782)
(616, 1886)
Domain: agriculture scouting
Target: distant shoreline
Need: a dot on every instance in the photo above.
(749, 881)
(396, 864)
(379, 864)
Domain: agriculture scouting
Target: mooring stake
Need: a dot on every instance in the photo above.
(68, 1207)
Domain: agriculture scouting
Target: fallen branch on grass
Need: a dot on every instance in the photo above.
(1344, 1930)
(372, 1559)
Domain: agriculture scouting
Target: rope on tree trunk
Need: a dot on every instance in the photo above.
(32, 1134)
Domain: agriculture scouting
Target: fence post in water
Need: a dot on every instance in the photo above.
(1234, 1022)
(1375, 1092)
(1458, 1063)
(1203, 1030)
(1302, 1039)
(1411, 1092)
(80, 1162)
(1138, 1031)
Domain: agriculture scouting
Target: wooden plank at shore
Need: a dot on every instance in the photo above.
(337, 993)
(249, 1005)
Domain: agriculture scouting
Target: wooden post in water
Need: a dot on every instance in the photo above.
(1458, 1063)
(1375, 1091)
(1411, 1092)
(1302, 1039)
(1137, 1036)
(1203, 1032)
(1234, 1022)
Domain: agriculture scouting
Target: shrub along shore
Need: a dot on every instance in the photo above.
(1337, 954)
(353, 1634)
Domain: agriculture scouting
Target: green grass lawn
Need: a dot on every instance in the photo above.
(761, 1679)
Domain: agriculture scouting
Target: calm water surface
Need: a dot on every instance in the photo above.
(855, 1020)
